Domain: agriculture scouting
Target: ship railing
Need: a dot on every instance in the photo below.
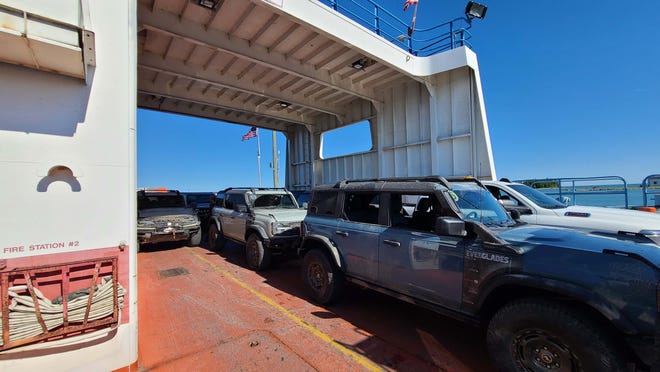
(566, 189)
(651, 187)
(418, 41)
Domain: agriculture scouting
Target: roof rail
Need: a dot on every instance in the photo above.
(466, 178)
(253, 188)
(439, 179)
(156, 190)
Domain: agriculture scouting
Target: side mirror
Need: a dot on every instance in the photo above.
(507, 203)
(240, 208)
(515, 214)
(450, 226)
(524, 210)
(305, 205)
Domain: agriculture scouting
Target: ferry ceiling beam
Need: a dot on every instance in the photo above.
(177, 27)
(208, 77)
(267, 108)
(150, 100)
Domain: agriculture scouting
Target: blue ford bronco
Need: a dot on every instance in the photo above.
(552, 299)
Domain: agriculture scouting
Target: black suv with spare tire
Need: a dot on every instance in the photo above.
(553, 299)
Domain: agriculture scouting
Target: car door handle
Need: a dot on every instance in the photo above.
(342, 233)
(392, 242)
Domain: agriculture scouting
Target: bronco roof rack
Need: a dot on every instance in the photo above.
(439, 179)
(466, 179)
(253, 188)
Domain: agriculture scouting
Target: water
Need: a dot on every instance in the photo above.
(617, 199)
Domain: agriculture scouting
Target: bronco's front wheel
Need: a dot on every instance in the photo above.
(539, 335)
(324, 281)
(215, 238)
(258, 257)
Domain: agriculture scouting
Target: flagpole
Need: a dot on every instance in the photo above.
(412, 28)
(276, 181)
(259, 158)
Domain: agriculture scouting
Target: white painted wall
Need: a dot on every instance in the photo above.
(434, 124)
(49, 120)
(436, 128)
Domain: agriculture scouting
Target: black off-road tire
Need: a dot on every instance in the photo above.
(195, 239)
(215, 238)
(323, 279)
(541, 335)
(258, 257)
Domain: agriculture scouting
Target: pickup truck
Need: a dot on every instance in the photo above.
(538, 208)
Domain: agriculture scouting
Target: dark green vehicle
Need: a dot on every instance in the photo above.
(553, 299)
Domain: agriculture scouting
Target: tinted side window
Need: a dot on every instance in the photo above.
(362, 207)
(229, 201)
(503, 197)
(323, 203)
(413, 211)
(238, 199)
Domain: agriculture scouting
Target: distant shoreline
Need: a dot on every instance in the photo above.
(602, 188)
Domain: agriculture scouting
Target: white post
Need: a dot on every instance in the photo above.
(258, 158)
(276, 180)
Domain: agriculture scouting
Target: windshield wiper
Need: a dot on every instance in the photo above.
(498, 223)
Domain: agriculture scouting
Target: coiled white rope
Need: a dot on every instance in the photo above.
(23, 320)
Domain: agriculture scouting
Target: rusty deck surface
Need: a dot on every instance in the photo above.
(201, 310)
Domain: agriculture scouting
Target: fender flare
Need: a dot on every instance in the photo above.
(561, 288)
(259, 230)
(328, 245)
(215, 221)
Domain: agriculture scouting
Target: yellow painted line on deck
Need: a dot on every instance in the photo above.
(365, 362)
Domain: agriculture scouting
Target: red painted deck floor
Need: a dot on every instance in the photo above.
(201, 310)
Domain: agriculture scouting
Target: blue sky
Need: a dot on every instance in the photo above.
(572, 89)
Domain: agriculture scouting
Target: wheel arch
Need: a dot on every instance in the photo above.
(213, 220)
(256, 230)
(321, 242)
(518, 287)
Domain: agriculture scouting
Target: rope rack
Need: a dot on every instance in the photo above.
(89, 299)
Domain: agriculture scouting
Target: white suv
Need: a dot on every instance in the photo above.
(266, 220)
(538, 208)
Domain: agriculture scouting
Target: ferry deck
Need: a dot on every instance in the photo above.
(204, 310)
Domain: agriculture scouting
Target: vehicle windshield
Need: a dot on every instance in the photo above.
(537, 197)
(199, 198)
(478, 204)
(161, 201)
(273, 201)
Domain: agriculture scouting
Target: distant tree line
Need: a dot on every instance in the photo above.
(541, 184)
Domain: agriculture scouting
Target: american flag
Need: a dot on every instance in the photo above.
(409, 3)
(250, 134)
